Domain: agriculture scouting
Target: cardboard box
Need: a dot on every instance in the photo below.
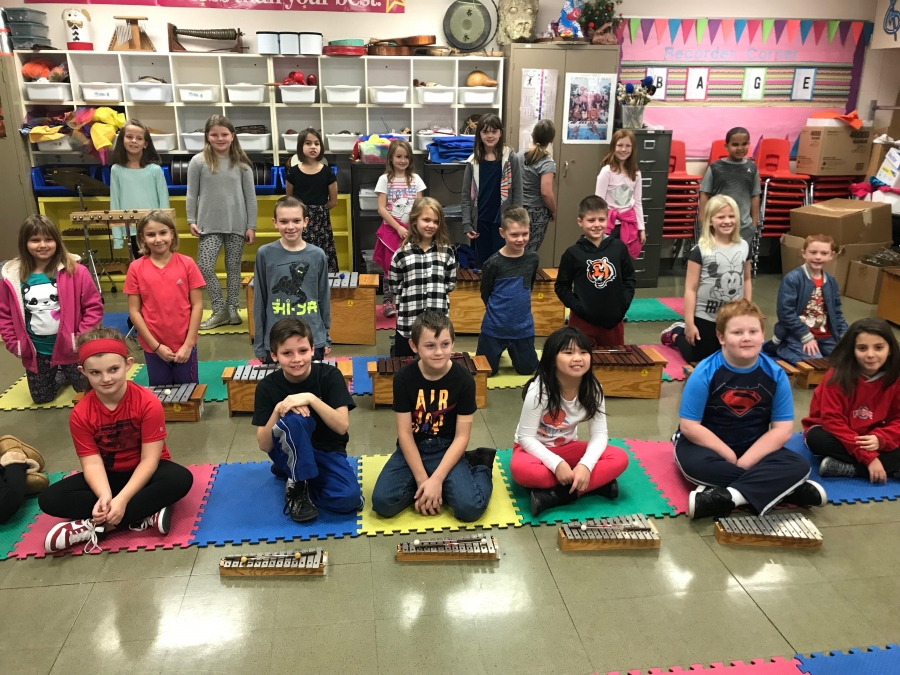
(889, 296)
(863, 282)
(834, 151)
(839, 267)
(889, 173)
(878, 152)
(848, 221)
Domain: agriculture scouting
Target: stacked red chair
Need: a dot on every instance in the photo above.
(823, 188)
(782, 191)
(682, 200)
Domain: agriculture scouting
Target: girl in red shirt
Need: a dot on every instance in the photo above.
(854, 417)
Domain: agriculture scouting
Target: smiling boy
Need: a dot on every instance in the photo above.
(736, 415)
(737, 177)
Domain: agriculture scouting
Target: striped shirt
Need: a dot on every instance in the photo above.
(421, 280)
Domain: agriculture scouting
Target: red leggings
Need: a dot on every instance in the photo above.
(528, 471)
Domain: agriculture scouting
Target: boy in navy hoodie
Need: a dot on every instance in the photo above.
(596, 278)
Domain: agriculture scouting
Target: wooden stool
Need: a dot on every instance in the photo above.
(241, 382)
(182, 403)
(382, 374)
(810, 372)
(628, 371)
(546, 307)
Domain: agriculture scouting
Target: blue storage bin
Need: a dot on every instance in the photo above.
(42, 189)
(276, 180)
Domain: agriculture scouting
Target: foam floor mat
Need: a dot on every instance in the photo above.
(117, 320)
(362, 383)
(227, 329)
(845, 490)
(657, 458)
(637, 494)
(17, 397)
(210, 375)
(674, 370)
(245, 504)
(773, 666)
(675, 304)
(871, 661)
(507, 377)
(500, 511)
(382, 322)
(12, 530)
(650, 309)
(185, 514)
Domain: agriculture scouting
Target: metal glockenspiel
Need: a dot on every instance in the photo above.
(241, 381)
(791, 530)
(299, 562)
(181, 402)
(343, 279)
(254, 373)
(463, 547)
(606, 534)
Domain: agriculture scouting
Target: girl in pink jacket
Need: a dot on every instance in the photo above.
(46, 300)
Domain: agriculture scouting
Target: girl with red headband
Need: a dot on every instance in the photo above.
(128, 478)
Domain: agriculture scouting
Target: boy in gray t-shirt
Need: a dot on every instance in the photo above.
(737, 177)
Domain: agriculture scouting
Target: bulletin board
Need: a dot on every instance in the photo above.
(768, 75)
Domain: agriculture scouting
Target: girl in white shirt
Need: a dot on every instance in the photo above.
(547, 455)
(619, 185)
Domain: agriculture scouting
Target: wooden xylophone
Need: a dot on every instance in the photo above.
(607, 534)
(780, 529)
(180, 402)
(789, 370)
(467, 307)
(629, 371)
(296, 563)
(449, 548)
(811, 372)
(352, 307)
(115, 217)
(382, 374)
(241, 382)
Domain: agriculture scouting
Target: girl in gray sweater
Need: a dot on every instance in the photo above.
(221, 210)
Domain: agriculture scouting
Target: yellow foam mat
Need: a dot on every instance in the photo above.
(227, 329)
(501, 512)
(17, 397)
(507, 377)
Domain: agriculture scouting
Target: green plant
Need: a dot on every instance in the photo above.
(597, 13)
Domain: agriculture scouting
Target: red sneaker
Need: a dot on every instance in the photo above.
(65, 535)
(159, 521)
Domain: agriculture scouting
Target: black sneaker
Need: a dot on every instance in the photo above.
(808, 494)
(707, 502)
(835, 468)
(770, 348)
(276, 471)
(610, 490)
(297, 503)
(481, 457)
(541, 500)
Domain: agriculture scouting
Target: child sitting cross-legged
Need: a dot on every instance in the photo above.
(128, 478)
(434, 401)
(736, 415)
(302, 415)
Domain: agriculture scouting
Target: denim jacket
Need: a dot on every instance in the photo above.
(793, 294)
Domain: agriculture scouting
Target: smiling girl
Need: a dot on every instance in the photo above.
(619, 185)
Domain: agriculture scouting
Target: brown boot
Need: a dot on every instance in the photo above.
(36, 482)
(12, 444)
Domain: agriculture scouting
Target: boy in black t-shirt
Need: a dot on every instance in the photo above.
(302, 415)
(434, 400)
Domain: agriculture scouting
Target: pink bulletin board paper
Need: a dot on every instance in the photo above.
(222, 4)
(370, 6)
(132, 3)
(185, 517)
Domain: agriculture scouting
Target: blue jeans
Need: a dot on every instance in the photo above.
(521, 352)
(791, 350)
(467, 490)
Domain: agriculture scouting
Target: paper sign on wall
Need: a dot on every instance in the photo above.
(697, 84)
(660, 76)
(804, 81)
(754, 84)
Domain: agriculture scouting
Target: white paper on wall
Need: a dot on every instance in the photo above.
(660, 77)
(804, 82)
(538, 101)
(754, 84)
(697, 84)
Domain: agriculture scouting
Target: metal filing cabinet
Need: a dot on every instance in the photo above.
(653, 149)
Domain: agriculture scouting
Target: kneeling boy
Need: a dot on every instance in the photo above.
(736, 415)
(434, 399)
(302, 415)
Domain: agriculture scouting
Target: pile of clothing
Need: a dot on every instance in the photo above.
(93, 130)
(446, 149)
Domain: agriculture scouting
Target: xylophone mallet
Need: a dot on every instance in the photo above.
(619, 528)
(450, 542)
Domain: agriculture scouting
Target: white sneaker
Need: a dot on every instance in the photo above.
(65, 535)
(159, 521)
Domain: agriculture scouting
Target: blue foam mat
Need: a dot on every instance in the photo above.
(845, 490)
(245, 505)
(362, 383)
(117, 320)
(872, 661)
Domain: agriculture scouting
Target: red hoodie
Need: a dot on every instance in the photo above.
(872, 410)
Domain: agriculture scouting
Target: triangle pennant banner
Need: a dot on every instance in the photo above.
(793, 25)
(753, 26)
(646, 27)
(868, 30)
(674, 25)
(767, 25)
(805, 26)
(701, 29)
(739, 26)
(634, 24)
(818, 29)
(844, 30)
(660, 30)
(728, 30)
(779, 29)
(833, 26)
(714, 25)
(620, 33)
(856, 28)
(687, 26)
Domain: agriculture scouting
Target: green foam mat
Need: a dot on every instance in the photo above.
(637, 494)
(12, 530)
(210, 375)
(650, 309)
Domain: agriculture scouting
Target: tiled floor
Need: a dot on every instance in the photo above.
(537, 611)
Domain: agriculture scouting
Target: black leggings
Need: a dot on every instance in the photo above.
(12, 490)
(824, 444)
(72, 497)
(707, 345)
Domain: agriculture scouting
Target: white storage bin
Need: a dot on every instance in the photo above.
(255, 142)
(368, 199)
(290, 141)
(59, 145)
(193, 141)
(166, 142)
(342, 94)
(198, 93)
(477, 95)
(101, 92)
(388, 95)
(246, 93)
(298, 93)
(435, 95)
(48, 91)
(149, 92)
(341, 142)
(422, 141)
